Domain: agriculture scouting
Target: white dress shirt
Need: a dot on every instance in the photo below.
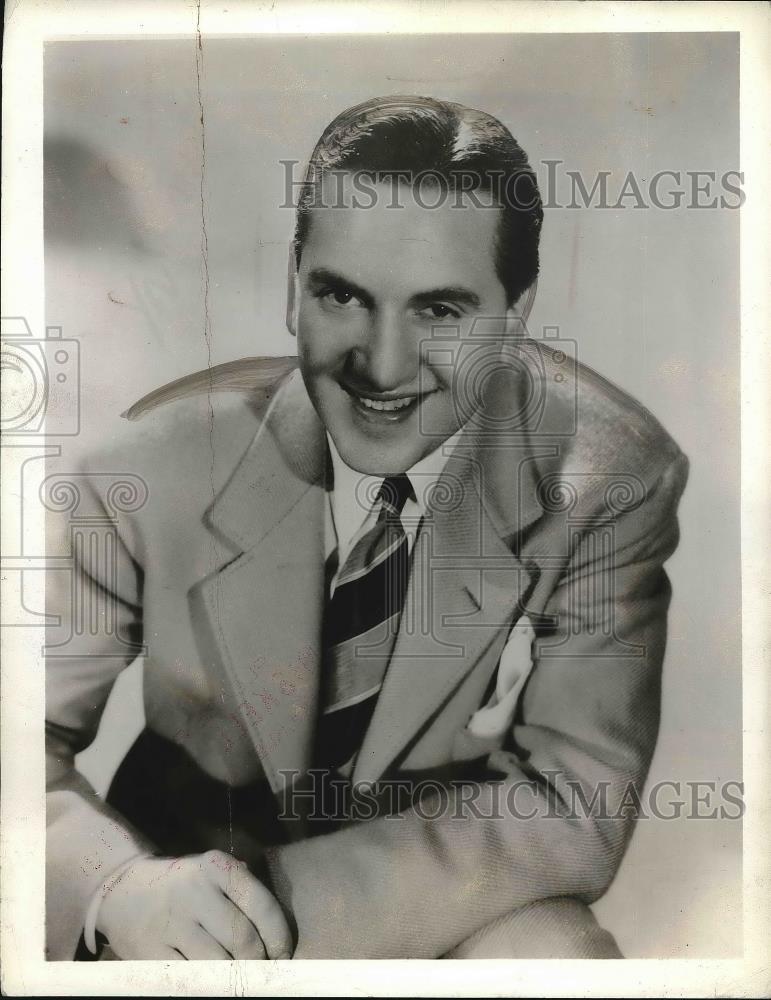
(352, 510)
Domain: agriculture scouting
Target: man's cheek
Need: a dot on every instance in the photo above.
(322, 345)
(313, 350)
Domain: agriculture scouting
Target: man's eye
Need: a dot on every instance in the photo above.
(437, 310)
(339, 296)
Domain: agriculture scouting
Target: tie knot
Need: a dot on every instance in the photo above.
(395, 492)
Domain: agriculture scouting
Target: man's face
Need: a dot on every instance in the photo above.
(375, 287)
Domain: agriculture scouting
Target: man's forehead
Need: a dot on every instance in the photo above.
(398, 218)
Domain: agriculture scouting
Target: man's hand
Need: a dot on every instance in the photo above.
(201, 906)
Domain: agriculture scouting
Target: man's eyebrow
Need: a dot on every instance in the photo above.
(448, 293)
(451, 293)
(324, 276)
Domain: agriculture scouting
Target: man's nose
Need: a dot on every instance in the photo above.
(389, 353)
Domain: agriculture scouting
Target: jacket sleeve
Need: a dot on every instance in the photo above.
(94, 592)
(415, 887)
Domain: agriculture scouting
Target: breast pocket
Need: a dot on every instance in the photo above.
(488, 726)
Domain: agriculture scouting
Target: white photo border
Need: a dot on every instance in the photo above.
(29, 23)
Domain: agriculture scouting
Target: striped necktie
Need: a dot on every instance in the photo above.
(360, 626)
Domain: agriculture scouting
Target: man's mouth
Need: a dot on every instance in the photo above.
(384, 408)
(387, 405)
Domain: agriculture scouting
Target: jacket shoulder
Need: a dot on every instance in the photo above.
(608, 430)
(596, 451)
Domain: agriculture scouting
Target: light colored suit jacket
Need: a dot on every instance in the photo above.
(564, 513)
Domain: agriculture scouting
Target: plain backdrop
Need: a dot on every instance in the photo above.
(646, 296)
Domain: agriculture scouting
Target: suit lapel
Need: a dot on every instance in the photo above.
(265, 607)
(464, 593)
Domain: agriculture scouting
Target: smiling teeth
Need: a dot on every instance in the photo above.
(383, 404)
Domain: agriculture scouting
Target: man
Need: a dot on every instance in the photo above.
(421, 577)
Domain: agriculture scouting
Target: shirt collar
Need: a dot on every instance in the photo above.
(353, 492)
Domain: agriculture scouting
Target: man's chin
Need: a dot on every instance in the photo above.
(377, 464)
(373, 458)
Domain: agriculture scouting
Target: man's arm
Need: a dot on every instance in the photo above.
(86, 839)
(414, 887)
(102, 873)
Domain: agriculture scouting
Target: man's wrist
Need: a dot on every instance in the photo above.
(90, 926)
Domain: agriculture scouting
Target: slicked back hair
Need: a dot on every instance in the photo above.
(456, 148)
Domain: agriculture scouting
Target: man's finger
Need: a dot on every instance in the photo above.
(259, 905)
(228, 924)
(196, 943)
(262, 908)
(161, 953)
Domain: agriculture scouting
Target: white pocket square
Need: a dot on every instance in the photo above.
(516, 663)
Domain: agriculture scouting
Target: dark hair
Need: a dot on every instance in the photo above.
(458, 147)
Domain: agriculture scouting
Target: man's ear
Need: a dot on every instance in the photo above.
(291, 291)
(518, 314)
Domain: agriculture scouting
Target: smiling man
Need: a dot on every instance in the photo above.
(374, 288)
(403, 612)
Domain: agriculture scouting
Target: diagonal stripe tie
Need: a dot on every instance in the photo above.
(360, 626)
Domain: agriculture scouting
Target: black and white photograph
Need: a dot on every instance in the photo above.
(375, 507)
